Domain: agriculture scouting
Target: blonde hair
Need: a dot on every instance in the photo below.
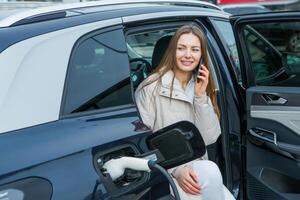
(168, 61)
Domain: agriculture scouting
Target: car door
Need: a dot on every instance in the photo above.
(269, 62)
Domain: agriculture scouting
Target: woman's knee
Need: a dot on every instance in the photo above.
(208, 172)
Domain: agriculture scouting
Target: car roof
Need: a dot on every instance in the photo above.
(14, 17)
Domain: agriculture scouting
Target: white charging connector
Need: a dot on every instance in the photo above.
(116, 167)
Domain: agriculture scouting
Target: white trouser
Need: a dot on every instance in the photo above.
(210, 180)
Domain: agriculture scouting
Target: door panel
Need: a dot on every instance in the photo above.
(273, 150)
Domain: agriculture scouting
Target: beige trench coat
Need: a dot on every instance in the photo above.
(157, 111)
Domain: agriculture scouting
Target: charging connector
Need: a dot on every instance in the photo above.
(116, 168)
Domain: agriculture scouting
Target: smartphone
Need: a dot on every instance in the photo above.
(199, 68)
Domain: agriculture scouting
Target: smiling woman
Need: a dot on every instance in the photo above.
(176, 91)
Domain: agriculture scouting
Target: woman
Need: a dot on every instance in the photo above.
(181, 89)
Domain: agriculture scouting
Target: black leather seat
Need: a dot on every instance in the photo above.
(159, 50)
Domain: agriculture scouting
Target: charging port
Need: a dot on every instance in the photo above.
(130, 176)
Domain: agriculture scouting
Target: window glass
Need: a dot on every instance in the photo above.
(98, 74)
(140, 50)
(142, 44)
(274, 52)
(265, 60)
(227, 35)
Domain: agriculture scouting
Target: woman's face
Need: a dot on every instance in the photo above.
(188, 52)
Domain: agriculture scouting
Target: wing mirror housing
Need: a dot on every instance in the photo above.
(178, 143)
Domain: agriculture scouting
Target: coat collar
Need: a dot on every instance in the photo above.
(166, 80)
(178, 92)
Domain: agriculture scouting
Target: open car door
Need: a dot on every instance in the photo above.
(269, 53)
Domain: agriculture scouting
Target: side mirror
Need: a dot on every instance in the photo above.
(178, 143)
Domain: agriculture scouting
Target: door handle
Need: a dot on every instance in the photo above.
(270, 138)
(274, 99)
(265, 135)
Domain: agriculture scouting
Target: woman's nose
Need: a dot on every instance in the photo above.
(188, 53)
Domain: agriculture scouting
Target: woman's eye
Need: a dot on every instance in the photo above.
(195, 50)
(180, 48)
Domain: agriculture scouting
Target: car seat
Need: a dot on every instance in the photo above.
(159, 50)
(140, 73)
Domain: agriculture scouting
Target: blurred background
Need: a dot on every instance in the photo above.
(231, 6)
(261, 4)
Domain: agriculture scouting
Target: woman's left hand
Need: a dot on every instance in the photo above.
(188, 181)
(202, 81)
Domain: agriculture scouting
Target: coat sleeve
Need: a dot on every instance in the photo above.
(145, 106)
(206, 119)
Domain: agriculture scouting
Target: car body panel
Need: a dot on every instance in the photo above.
(63, 151)
(20, 92)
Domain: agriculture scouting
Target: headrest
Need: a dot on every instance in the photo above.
(160, 49)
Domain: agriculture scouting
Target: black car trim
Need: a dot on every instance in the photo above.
(48, 16)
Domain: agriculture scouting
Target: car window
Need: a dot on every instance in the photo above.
(226, 33)
(98, 74)
(274, 52)
(265, 60)
(142, 44)
(140, 50)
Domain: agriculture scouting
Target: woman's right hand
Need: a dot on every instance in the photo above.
(203, 77)
(188, 181)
